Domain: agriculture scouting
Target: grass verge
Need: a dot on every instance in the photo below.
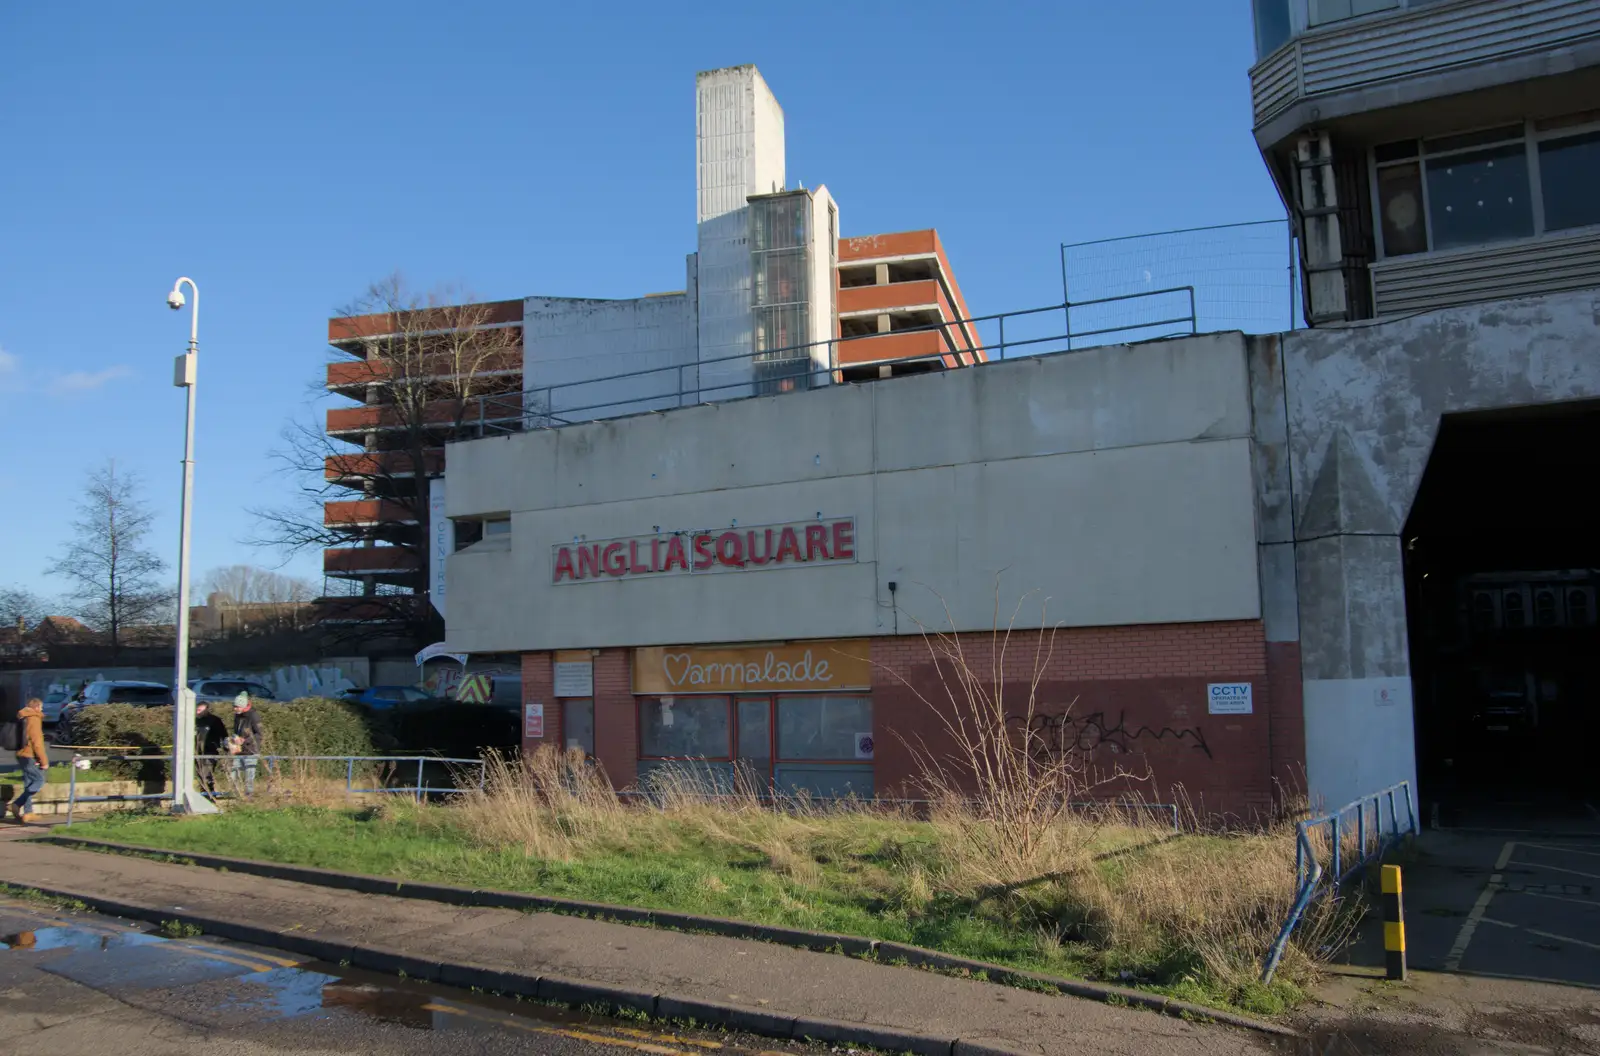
(1123, 902)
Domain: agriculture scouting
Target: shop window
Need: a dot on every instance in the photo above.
(685, 728)
(823, 727)
(577, 725)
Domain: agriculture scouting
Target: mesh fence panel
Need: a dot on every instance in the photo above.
(1240, 274)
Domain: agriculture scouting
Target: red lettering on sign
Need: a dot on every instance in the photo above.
(765, 557)
(843, 540)
(788, 546)
(704, 556)
(564, 564)
(589, 562)
(655, 555)
(614, 560)
(730, 549)
(816, 540)
(634, 567)
(675, 554)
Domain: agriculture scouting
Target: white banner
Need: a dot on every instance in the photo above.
(441, 541)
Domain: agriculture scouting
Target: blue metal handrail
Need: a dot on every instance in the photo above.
(1371, 845)
(417, 790)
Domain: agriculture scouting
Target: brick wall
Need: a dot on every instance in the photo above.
(1133, 698)
(538, 687)
(616, 721)
(616, 741)
(1288, 717)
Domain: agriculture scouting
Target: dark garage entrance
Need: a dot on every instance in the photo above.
(1502, 562)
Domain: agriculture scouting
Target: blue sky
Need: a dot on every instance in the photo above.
(287, 154)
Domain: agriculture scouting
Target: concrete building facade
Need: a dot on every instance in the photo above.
(1333, 559)
(762, 605)
(759, 312)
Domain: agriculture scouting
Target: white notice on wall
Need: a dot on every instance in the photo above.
(1230, 698)
(574, 679)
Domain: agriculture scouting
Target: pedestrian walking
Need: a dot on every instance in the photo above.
(246, 741)
(210, 739)
(32, 759)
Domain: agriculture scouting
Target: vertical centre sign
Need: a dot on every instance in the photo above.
(441, 540)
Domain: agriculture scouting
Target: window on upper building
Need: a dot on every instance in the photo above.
(496, 526)
(1324, 11)
(1569, 172)
(1273, 26)
(1487, 186)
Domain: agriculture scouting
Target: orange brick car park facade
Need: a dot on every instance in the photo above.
(763, 615)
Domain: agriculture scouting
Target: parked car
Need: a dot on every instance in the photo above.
(139, 694)
(52, 704)
(220, 690)
(381, 698)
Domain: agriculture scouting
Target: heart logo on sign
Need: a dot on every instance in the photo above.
(685, 663)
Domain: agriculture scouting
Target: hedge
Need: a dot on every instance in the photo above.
(307, 726)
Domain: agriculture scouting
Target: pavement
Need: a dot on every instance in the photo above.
(1503, 939)
(78, 984)
(864, 1001)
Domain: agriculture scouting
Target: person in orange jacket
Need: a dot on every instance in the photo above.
(32, 758)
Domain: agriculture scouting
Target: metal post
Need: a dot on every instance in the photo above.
(1338, 873)
(349, 776)
(1002, 337)
(1394, 925)
(1194, 316)
(1361, 832)
(1411, 811)
(1289, 226)
(72, 790)
(184, 798)
(419, 779)
(1066, 297)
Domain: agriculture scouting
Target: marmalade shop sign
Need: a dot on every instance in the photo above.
(792, 545)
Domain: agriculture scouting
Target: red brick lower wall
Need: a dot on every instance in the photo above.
(1128, 698)
(1117, 697)
(1288, 715)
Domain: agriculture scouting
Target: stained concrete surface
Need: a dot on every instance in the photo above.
(755, 975)
(1503, 938)
(84, 985)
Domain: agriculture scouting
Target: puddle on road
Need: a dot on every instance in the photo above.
(110, 959)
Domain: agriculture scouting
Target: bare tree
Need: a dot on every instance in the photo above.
(21, 607)
(249, 585)
(112, 577)
(424, 360)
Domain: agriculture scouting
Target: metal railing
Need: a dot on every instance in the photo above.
(272, 763)
(800, 367)
(1346, 857)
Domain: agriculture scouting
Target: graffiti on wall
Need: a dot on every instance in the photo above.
(1057, 737)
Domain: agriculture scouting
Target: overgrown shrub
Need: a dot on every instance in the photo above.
(307, 726)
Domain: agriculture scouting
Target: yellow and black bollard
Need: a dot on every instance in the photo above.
(1394, 924)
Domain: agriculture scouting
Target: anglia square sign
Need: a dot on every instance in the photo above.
(793, 545)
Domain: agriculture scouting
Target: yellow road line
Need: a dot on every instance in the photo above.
(564, 1032)
(659, 1036)
(211, 954)
(281, 962)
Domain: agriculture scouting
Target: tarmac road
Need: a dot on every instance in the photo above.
(83, 985)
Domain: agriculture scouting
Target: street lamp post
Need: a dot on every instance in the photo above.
(185, 800)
